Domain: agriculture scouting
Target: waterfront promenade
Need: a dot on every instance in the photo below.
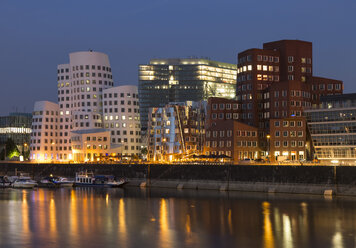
(339, 180)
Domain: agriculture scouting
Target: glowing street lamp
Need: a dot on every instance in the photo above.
(268, 145)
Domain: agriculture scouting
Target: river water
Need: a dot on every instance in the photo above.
(134, 217)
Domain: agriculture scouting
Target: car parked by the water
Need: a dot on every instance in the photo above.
(246, 161)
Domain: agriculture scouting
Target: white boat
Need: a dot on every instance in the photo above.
(88, 179)
(5, 182)
(63, 182)
(25, 183)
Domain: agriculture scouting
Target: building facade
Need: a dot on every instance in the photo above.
(178, 80)
(227, 137)
(17, 127)
(332, 126)
(289, 140)
(176, 131)
(122, 118)
(47, 143)
(88, 104)
(281, 66)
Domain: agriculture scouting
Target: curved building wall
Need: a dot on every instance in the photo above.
(121, 116)
(46, 137)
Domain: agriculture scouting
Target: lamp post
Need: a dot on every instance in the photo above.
(24, 149)
(268, 146)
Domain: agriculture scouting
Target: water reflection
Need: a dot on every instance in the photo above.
(135, 218)
(268, 238)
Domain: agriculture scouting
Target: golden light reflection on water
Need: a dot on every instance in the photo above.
(165, 238)
(52, 219)
(287, 232)
(82, 216)
(122, 223)
(337, 239)
(268, 238)
(188, 225)
(25, 216)
(73, 213)
(229, 221)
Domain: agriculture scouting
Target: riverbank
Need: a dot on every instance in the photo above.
(321, 180)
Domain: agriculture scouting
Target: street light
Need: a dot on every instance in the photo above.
(268, 146)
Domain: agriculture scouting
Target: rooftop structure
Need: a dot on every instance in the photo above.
(178, 80)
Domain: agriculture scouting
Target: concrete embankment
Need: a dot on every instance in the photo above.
(328, 180)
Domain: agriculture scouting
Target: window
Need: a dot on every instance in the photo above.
(276, 123)
(290, 68)
(277, 143)
(285, 123)
(277, 134)
(222, 133)
(290, 59)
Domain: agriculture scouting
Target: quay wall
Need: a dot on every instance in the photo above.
(263, 178)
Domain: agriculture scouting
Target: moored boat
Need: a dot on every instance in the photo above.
(63, 182)
(88, 179)
(46, 182)
(5, 182)
(24, 183)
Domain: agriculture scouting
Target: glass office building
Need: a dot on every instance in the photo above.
(178, 80)
(332, 126)
(16, 126)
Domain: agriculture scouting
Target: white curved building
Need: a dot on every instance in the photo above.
(122, 118)
(81, 84)
(44, 145)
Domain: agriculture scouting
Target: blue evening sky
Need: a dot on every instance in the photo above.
(37, 35)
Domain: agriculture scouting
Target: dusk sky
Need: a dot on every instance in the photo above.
(38, 35)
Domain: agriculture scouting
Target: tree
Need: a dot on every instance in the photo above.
(10, 149)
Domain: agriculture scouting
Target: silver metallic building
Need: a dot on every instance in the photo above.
(179, 80)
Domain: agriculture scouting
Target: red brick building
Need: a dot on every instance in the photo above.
(277, 82)
(273, 83)
(289, 139)
(225, 135)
